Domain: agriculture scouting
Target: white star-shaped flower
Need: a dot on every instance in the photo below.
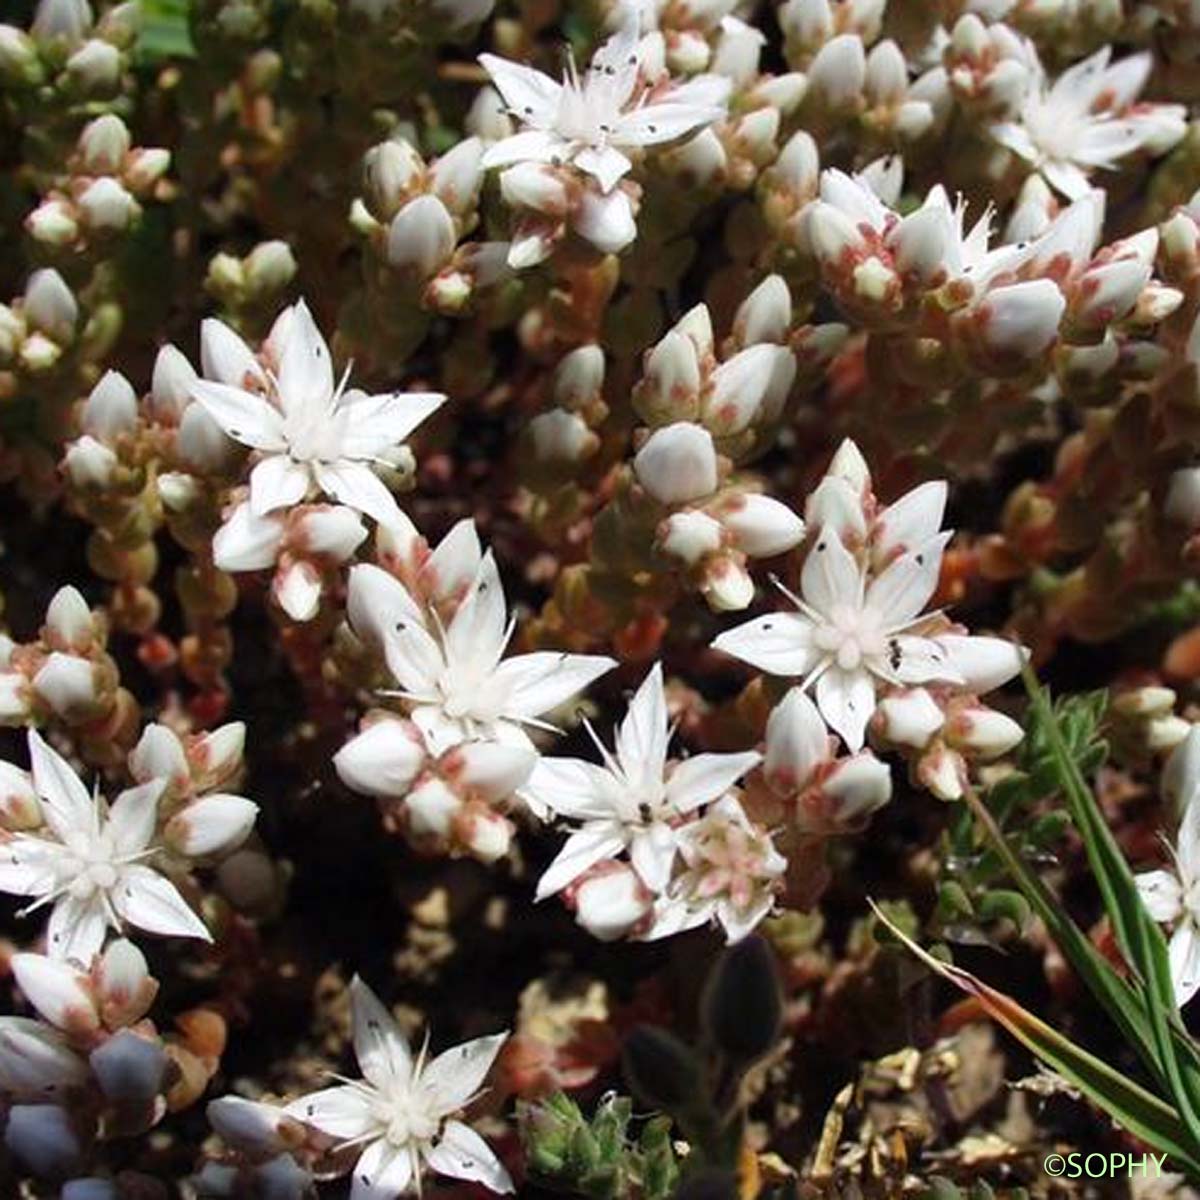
(1173, 896)
(455, 677)
(310, 432)
(89, 864)
(1084, 121)
(592, 121)
(401, 1113)
(852, 634)
(636, 801)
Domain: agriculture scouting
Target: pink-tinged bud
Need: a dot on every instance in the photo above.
(1107, 293)
(50, 307)
(390, 171)
(432, 808)
(828, 233)
(838, 73)
(909, 718)
(488, 770)
(983, 663)
(798, 167)
(214, 824)
(68, 685)
(678, 464)
(797, 743)
(145, 167)
(90, 464)
(920, 243)
(105, 205)
(982, 732)
(1180, 240)
(159, 754)
(562, 437)
(689, 536)
(95, 67)
(171, 384)
(687, 52)
(15, 698)
(421, 237)
(129, 1067)
(671, 383)
(836, 505)
(125, 989)
(1183, 497)
(727, 586)
(58, 991)
(178, 491)
(1149, 701)
(111, 408)
(246, 542)
(1021, 320)
(579, 377)
(488, 835)
(765, 315)
(610, 901)
(383, 759)
(753, 386)
(19, 807)
(753, 136)
(696, 324)
(1156, 303)
(103, 145)
(69, 624)
(606, 220)
(217, 756)
(761, 526)
(297, 590)
(943, 772)
(52, 223)
(456, 176)
(700, 161)
(855, 788)
(531, 245)
(332, 532)
(807, 22)
(43, 1138)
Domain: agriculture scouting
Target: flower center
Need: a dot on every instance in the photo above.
(467, 697)
(408, 1120)
(88, 865)
(849, 636)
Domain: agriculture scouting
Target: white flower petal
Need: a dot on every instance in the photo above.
(375, 424)
(1184, 954)
(531, 145)
(76, 929)
(463, 1154)
(67, 803)
(247, 542)
(456, 1075)
(590, 845)
(151, 902)
(305, 380)
(277, 482)
(359, 487)
(903, 590)
(847, 700)
(606, 164)
(133, 816)
(532, 96)
(382, 1172)
(341, 1112)
(652, 853)
(830, 576)
(543, 680)
(379, 1046)
(779, 643)
(245, 417)
(1160, 893)
(57, 991)
(225, 358)
(643, 735)
(28, 865)
(704, 778)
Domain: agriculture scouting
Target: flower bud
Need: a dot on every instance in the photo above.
(53, 223)
(177, 490)
(69, 624)
(69, 20)
(20, 65)
(129, 1068)
(752, 386)
(886, 77)
(606, 220)
(203, 444)
(103, 145)
(106, 205)
(855, 788)
(559, 436)
(909, 718)
(689, 536)
(333, 532)
(246, 542)
(421, 237)
(838, 73)
(765, 315)
(677, 464)
(390, 171)
(671, 382)
(297, 590)
(797, 742)
(579, 376)
(738, 50)
(269, 268)
(58, 991)
(727, 586)
(1021, 319)
(761, 526)
(488, 835)
(213, 824)
(111, 408)
(145, 166)
(90, 464)
(19, 807)
(1107, 293)
(431, 808)
(982, 732)
(535, 186)
(50, 307)
(171, 384)
(67, 684)
(701, 161)
(383, 759)
(610, 900)
(456, 176)
(41, 1135)
(488, 118)
(943, 772)
(124, 984)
